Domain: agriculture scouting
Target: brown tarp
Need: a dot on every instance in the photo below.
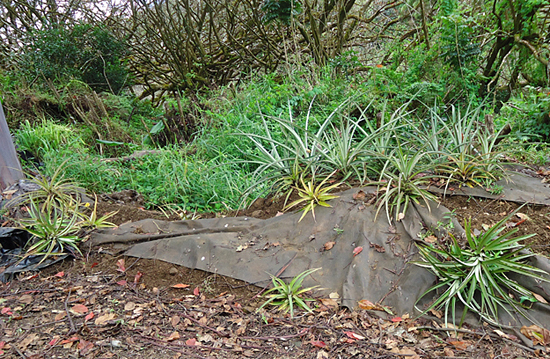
(250, 249)
(10, 168)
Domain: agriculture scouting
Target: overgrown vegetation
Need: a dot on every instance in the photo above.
(209, 105)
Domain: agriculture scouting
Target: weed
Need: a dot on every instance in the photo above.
(92, 221)
(288, 296)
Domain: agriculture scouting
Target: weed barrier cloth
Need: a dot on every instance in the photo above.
(360, 257)
(516, 187)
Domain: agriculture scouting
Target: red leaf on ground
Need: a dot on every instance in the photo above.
(121, 282)
(59, 274)
(397, 319)
(89, 316)
(53, 342)
(357, 250)
(94, 264)
(191, 342)
(137, 277)
(2, 345)
(180, 286)
(70, 340)
(196, 291)
(318, 344)
(6, 311)
(120, 265)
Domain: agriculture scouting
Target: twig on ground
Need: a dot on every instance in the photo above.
(73, 329)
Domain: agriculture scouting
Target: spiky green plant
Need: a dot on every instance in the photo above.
(402, 181)
(313, 195)
(477, 274)
(288, 296)
(93, 221)
(54, 191)
(52, 226)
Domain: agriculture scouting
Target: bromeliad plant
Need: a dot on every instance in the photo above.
(288, 296)
(93, 221)
(476, 275)
(313, 195)
(52, 228)
(402, 181)
(53, 191)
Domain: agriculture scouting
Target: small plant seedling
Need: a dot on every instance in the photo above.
(288, 296)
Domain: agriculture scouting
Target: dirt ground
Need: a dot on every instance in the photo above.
(105, 305)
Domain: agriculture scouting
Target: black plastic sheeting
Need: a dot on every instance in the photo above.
(12, 254)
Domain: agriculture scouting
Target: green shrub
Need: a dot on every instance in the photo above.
(89, 53)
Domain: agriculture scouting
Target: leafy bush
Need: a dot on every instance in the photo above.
(88, 53)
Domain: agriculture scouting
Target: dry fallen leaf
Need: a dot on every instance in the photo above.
(328, 302)
(321, 354)
(540, 298)
(359, 196)
(79, 309)
(27, 341)
(353, 335)
(120, 265)
(105, 318)
(328, 246)
(537, 334)
(180, 286)
(378, 248)
(26, 299)
(437, 313)
(357, 250)
(174, 320)
(173, 336)
(430, 239)
(448, 352)
(461, 344)
(523, 216)
(130, 306)
(84, 347)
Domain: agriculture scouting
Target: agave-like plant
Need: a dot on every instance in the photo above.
(288, 296)
(53, 191)
(93, 221)
(53, 227)
(477, 274)
(313, 195)
(402, 181)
